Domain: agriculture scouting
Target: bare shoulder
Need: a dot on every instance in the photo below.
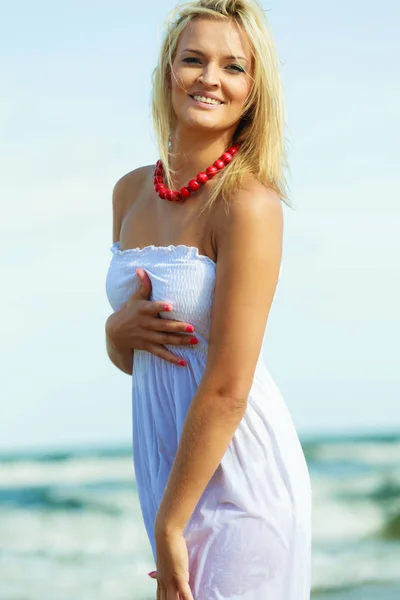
(125, 192)
(130, 185)
(254, 206)
(254, 198)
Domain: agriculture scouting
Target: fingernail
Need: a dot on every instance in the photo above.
(151, 573)
(167, 307)
(182, 363)
(194, 341)
(190, 328)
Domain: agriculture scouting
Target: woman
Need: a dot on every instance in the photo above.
(222, 480)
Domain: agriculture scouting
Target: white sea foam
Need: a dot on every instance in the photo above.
(350, 566)
(334, 521)
(368, 453)
(74, 470)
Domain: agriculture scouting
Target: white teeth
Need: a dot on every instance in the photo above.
(206, 100)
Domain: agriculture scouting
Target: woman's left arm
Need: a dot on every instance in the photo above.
(249, 244)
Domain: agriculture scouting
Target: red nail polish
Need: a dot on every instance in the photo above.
(194, 341)
(151, 573)
(182, 363)
(167, 307)
(190, 328)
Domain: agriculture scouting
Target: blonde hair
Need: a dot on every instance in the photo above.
(261, 129)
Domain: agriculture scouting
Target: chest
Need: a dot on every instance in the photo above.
(153, 221)
(179, 275)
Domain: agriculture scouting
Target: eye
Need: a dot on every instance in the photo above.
(190, 59)
(237, 68)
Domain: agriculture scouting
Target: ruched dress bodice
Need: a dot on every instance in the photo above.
(179, 275)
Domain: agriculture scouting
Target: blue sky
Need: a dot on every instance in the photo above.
(75, 116)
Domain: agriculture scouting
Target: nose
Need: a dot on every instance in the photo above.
(210, 75)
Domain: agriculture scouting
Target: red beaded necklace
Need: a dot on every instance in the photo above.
(194, 184)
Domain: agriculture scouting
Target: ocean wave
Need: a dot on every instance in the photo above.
(391, 530)
(388, 489)
(370, 450)
(341, 565)
(356, 454)
(368, 591)
(60, 456)
(49, 498)
(381, 490)
(356, 508)
(72, 471)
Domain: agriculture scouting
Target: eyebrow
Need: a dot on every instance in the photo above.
(202, 54)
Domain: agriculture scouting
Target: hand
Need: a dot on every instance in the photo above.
(137, 325)
(172, 567)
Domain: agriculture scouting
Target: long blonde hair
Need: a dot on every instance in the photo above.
(261, 130)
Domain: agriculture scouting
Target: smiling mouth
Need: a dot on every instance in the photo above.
(205, 100)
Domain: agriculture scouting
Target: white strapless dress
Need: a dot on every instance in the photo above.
(249, 537)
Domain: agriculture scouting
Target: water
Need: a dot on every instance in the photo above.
(70, 523)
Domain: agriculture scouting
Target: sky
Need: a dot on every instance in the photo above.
(75, 116)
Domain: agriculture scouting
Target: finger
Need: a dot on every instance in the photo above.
(144, 288)
(153, 574)
(163, 353)
(168, 325)
(155, 307)
(173, 594)
(173, 339)
(158, 591)
(185, 593)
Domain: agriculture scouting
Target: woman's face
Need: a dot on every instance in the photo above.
(213, 63)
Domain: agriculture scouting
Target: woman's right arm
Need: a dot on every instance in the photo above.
(121, 357)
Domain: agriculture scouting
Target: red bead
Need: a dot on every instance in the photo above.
(184, 192)
(158, 164)
(226, 157)
(234, 149)
(162, 194)
(202, 177)
(211, 171)
(171, 195)
(219, 164)
(193, 185)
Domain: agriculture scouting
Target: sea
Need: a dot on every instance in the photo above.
(71, 527)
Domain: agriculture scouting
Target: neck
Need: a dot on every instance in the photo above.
(191, 154)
